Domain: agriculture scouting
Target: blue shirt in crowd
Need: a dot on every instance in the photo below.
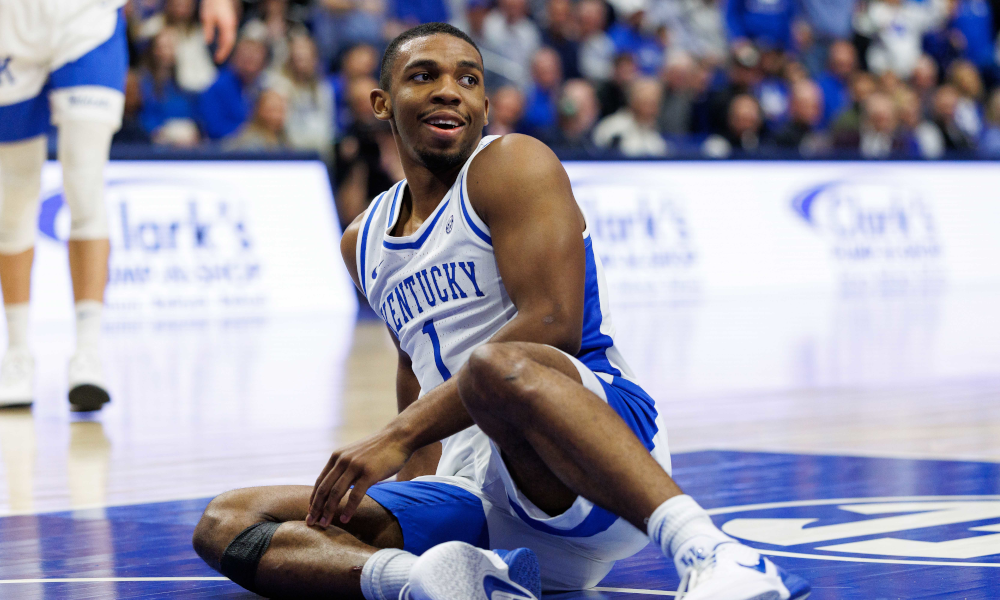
(645, 49)
(225, 105)
(161, 105)
(539, 112)
(764, 22)
(836, 96)
(421, 11)
(975, 20)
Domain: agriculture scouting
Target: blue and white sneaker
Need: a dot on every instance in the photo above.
(460, 571)
(732, 571)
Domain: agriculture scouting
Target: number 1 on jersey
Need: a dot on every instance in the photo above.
(433, 334)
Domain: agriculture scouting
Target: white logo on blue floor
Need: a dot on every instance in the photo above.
(961, 530)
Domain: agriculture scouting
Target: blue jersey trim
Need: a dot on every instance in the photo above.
(465, 212)
(423, 237)
(597, 521)
(593, 343)
(363, 275)
(105, 65)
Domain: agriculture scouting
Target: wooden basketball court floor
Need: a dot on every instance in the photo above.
(855, 440)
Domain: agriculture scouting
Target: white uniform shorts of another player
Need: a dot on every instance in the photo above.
(61, 62)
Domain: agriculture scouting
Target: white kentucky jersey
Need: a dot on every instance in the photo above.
(440, 292)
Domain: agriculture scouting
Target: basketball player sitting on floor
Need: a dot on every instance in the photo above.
(481, 264)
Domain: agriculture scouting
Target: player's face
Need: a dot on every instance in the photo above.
(438, 103)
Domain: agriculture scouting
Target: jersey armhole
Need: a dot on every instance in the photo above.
(361, 247)
(472, 220)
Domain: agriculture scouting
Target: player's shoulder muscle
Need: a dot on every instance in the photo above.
(349, 245)
(513, 172)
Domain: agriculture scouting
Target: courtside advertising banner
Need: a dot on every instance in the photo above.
(203, 239)
(668, 227)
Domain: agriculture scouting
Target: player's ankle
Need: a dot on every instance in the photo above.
(385, 573)
(679, 522)
(88, 324)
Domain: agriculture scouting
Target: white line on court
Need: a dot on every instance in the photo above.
(114, 579)
(887, 561)
(632, 591)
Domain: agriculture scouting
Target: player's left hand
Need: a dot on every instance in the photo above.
(361, 464)
(219, 16)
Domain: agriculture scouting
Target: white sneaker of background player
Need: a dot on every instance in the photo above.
(87, 390)
(732, 571)
(17, 378)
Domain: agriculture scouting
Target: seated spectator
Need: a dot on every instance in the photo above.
(744, 75)
(132, 131)
(578, 111)
(227, 104)
(195, 69)
(848, 122)
(309, 125)
(272, 25)
(629, 34)
(802, 131)
(509, 33)
(597, 51)
(923, 138)
(946, 103)
(678, 76)
(163, 101)
(341, 24)
(744, 126)
(612, 94)
(506, 110)
(965, 77)
(772, 92)
(696, 28)
(766, 24)
(632, 130)
(877, 135)
(826, 23)
(989, 143)
(559, 35)
(896, 28)
(266, 129)
(540, 104)
(842, 63)
(361, 61)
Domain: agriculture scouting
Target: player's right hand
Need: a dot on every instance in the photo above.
(359, 465)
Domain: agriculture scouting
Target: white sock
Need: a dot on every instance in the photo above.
(680, 524)
(88, 324)
(17, 326)
(385, 574)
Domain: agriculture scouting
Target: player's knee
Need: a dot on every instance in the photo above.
(224, 518)
(493, 371)
(83, 152)
(20, 184)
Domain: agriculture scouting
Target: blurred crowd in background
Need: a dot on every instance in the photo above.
(592, 78)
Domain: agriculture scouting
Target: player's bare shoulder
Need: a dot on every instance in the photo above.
(349, 245)
(514, 170)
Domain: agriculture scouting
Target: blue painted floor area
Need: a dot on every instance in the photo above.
(859, 529)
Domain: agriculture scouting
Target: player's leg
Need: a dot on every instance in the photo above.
(87, 103)
(284, 557)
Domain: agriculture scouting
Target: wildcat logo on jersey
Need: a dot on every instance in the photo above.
(959, 529)
(427, 287)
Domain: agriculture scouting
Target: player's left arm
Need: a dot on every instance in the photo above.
(219, 17)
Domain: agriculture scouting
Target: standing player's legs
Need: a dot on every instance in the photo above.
(87, 100)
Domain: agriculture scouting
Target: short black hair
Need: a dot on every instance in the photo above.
(427, 29)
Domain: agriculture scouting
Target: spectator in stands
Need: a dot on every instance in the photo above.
(925, 81)
(678, 75)
(559, 35)
(630, 34)
(842, 63)
(613, 94)
(509, 33)
(543, 94)
(878, 135)
(848, 122)
(163, 101)
(273, 26)
(805, 114)
(824, 23)
(763, 23)
(696, 27)
(227, 104)
(597, 51)
(923, 139)
(744, 74)
(266, 129)
(195, 69)
(989, 144)
(359, 61)
(309, 97)
(340, 24)
(506, 110)
(971, 28)
(632, 130)
(965, 77)
(744, 127)
(772, 91)
(578, 112)
(132, 131)
(896, 28)
(946, 102)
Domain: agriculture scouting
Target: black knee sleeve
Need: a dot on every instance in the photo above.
(239, 561)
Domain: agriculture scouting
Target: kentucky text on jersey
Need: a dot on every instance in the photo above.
(437, 284)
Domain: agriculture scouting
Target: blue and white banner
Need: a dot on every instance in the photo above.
(729, 226)
(203, 239)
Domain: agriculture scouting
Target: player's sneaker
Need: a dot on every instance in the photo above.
(732, 571)
(460, 571)
(87, 391)
(17, 378)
